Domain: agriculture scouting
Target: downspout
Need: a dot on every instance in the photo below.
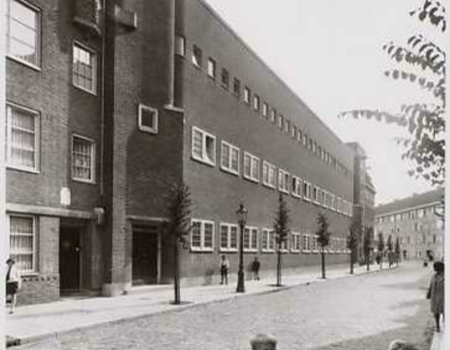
(171, 60)
(102, 105)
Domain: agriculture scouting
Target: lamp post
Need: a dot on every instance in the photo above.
(242, 219)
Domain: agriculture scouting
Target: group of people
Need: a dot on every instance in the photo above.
(225, 266)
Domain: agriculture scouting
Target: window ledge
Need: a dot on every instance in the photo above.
(202, 250)
(23, 169)
(88, 182)
(251, 179)
(230, 171)
(213, 165)
(23, 62)
(228, 250)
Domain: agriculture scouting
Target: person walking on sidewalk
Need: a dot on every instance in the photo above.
(224, 266)
(12, 284)
(255, 268)
(436, 293)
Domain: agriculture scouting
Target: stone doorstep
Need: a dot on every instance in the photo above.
(187, 305)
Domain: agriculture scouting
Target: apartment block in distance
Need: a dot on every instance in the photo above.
(418, 223)
(111, 103)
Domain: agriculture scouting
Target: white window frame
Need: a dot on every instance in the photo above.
(94, 67)
(228, 167)
(93, 158)
(256, 103)
(284, 179)
(287, 125)
(307, 195)
(251, 230)
(265, 109)
(296, 238)
(267, 167)
(306, 243)
(202, 247)
(316, 197)
(252, 176)
(225, 83)
(145, 128)
(247, 95)
(197, 61)
(203, 158)
(297, 186)
(38, 30)
(228, 248)
(280, 121)
(35, 233)
(37, 138)
(269, 234)
(212, 68)
(315, 248)
(273, 115)
(180, 45)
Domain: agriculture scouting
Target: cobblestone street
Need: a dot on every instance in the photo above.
(363, 312)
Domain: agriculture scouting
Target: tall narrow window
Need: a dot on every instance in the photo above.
(283, 181)
(296, 187)
(22, 138)
(22, 236)
(265, 109)
(280, 121)
(269, 174)
(23, 32)
(230, 158)
(247, 94)
(83, 159)
(256, 102)
(84, 68)
(203, 146)
(225, 78)
(250, 239)
(273, 115)
(251, 167)
(237, 87)
(180, 45)
(212, 68)
(197, 56)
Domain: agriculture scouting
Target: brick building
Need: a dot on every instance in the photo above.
(109, 103)
(417, 222)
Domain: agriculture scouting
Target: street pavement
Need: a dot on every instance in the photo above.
(364, 311)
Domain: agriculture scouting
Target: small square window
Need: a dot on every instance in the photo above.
(197, 56)
(247, 94)
(237, 87)
(148, 119)
(212, 68)
(225, 78)
(180, 45)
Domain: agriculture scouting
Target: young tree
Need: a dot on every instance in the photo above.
(178, 226)
(352, 243)
(368, 240)
(323, 237)
(397, 249)
(381, 248)
(390, 249)
(422, 62)
(281, 228)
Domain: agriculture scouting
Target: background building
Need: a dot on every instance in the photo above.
(418, 223)
(111, 103)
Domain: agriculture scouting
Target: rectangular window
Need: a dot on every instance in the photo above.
(306, 191)
(273, 115)
(228, 237)
(283, 181)
(306, 243)
(197, 57)
(225, 78)
(250, 239)
(212, 68)
(295, 247)
(203, 146)
(268, 240)
(180, 45)
(148, 119)
(287, 125)
(202, 235)
(22, 238)
(299, 135)
(251, 167)
(23, 32)
(280, 121)
(230, 158)
(247, 94)
(315, 195)
(265, 109)
(296, 187)
(293, 131)
(236, 87)
(256, 102)
(22, 138)
(269, 174)
(84, 68)
(83, 159)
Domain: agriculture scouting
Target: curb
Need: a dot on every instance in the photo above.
(180, 308)
(438, 341)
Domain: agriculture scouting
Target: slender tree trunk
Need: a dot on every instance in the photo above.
(351, 262)
(323, 263)
(279, 267)
(368, 261)
(176, 272)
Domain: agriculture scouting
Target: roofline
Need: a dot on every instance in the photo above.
(255, 55)
(406, 209)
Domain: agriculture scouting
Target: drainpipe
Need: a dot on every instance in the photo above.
(102, 103)
(171, 60)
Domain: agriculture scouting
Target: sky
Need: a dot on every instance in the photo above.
(330, 54)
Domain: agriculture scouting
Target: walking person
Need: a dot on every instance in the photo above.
(224, 266)
(12, 284)
(255, 268)
(436, 293)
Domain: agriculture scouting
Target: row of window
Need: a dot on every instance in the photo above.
(23, 44)
(409, 214)
(204, 150)
(255, 102)
(255, 239)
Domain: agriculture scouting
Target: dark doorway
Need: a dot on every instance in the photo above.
(69, 260)
(145, 256)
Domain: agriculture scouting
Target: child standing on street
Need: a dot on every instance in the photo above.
(255, 268)
(12, 283)
(224, 265)
(436, 293)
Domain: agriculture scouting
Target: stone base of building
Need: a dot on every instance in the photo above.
(38, 289)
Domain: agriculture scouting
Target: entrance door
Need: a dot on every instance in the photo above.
(69, 260)
(145, 257)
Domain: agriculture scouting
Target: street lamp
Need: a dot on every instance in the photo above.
(242, 219)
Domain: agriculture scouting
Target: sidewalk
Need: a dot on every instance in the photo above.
(34, 322)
